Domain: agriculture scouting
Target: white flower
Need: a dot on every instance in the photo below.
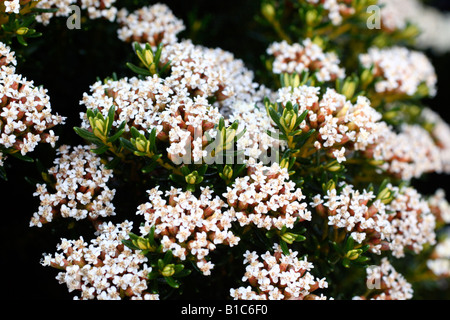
(12, 6)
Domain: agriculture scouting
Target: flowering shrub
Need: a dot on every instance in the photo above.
(292, 169)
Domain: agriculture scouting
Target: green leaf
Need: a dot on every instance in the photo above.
(130, 244)
(110, 118)
(172, 282)
(138, 70)
(19, 156)
(87, 135)
(284, 247)
(126, 144)
(182, 273)
(100, 150)
(116, 136)
(168, 257)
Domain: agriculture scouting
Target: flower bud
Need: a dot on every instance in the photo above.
(385, 196)
(228, 172)
(284, 164)
(349, 88)
(354, 254)
(168, 270)
(288, 119)
(22, 31)
(141, 144)
(268, 11)
(366, 78)
(193, 178)
(288, 237)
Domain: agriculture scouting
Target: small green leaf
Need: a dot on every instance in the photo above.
(138, 70)
(172, 282)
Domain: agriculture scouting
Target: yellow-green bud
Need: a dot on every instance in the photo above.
(312, 17)
(191, 178)
(330, 185)
(168, 270)
(141, 144)
(385, 196)
(268, 11)
(228, 172)
(410, 32)
(22, 31)
(141, 243)
(354, 254)
(349, 88)
(288, 119)
(366, 77)
(98, 127)
(288, 237)
(284, 164)
(333, 166)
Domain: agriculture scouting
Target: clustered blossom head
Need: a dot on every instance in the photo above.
(396, 14)
(440, 133)
(409, 153)
(25, 111)
(255, 142)
(400, 70)
(80, 182)
(406, 222)
(341, 125)
(278, 277)
(187, 225)
(209, 72)
(439, 262)
(307, 56)
(154, 24)
(266, 198)
(336, 9)
(95, 9)
(387, 282)
(179, 120)
(439, 206)
(103, 269)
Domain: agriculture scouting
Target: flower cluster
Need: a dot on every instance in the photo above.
(305, 57)
(180, 120)
(95, 9)
(439, 206)
(80, 181)
(154, 24)
(209, 72)
(256, 141)
(26, 113)
(439, 262)
(278, 277)
(103, 269)
(409, 153)
(336, 10)
(341, 125)
(187, 225)
(405, 222)
(400, 71)
(266, 198)
(396, 14)
(387, 283)
(440, 133)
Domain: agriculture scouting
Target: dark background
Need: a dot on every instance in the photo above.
(67, 62)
